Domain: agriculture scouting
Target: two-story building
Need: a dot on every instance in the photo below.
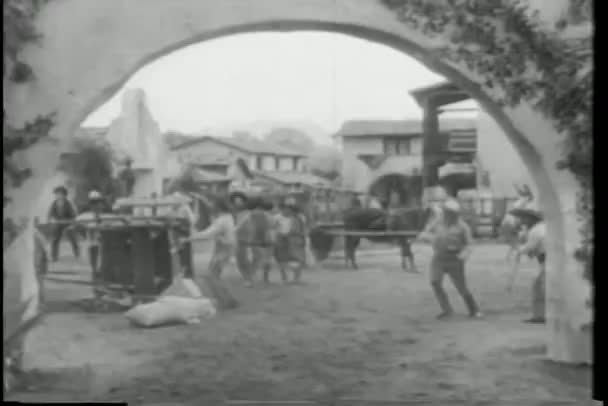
(381, 156)
(494, 163)
(454, 138)
(268, 165)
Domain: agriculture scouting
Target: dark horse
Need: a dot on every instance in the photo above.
(362, 219)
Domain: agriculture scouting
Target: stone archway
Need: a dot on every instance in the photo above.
(81, 65)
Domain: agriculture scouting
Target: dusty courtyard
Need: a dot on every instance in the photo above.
(367, 334)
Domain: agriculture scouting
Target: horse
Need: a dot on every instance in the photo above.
(367, 219)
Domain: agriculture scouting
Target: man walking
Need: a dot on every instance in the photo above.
(451, 239)
(534, 247)
(61, 212)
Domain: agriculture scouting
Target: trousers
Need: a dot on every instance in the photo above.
(538, 292)
(58, 232)
(454, 268)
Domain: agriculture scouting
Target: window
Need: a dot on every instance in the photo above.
(277, 163)
(416, 146)
(258, 162)
(295, 164)
(402, 146)
(391, 147)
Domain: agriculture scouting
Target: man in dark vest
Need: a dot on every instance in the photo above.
(127, 179)
(62, 211)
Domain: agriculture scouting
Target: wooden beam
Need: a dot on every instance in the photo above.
(363, 233)
(430, 128)
(453, 97)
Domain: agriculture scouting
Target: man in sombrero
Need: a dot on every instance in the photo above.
(452, 242)
(61, 212)
(534, 247)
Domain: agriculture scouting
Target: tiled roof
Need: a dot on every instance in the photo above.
(211, 159)
(252, 145)
(440, 86)
(203, 176)
(173, 138)
(92, 131)
(439, 89)
(291, 178)
(361, 128)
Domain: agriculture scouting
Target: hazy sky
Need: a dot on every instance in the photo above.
(306, 76)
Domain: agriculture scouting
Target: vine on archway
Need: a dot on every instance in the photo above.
(503, 42)
(19, 30)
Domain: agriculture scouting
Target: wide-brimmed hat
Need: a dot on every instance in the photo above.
(61, 189)
(527, 212)
(94, 195)
(237, 194)
(451, 205)
(290, 202)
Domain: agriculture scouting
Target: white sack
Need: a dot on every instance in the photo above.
(170, 310)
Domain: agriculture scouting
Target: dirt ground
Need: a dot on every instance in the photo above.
(367, 334)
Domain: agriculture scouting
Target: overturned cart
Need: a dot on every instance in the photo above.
(138, 254)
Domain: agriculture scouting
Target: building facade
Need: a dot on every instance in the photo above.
(248, 162)
(380, 156)
(218, 153)
(451, 140)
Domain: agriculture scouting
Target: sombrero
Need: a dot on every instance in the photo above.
(60, 189)
(526, 213)
(451, 205)
(94, 195)
(291, 202)
(236, 194)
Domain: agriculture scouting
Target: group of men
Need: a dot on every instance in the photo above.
(253, 232)
(249, 229)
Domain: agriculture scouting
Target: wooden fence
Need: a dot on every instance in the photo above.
(484, 215)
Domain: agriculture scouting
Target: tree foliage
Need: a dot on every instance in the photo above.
(91, 168)
(520, 60)
(19, 30)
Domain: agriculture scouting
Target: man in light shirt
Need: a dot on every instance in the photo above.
(452, 242)
(222, 231)
(511, 227)
(534, 247)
